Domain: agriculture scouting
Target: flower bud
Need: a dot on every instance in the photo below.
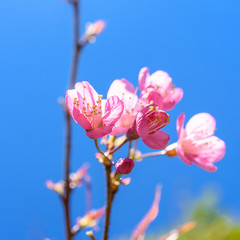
(95, 28)
(124, 165)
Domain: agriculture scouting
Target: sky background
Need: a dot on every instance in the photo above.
(196, 42)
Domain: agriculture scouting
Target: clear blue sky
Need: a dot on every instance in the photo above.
(196, 42)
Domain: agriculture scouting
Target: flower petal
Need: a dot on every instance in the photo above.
(151, 95)
(174, 97)
(141, 228)
(180, 122)
(161, 80)
(157, 140)
(87, 91)
(212, 148)
(177, 94)
(124, 90)
(99, 132)
(113, 110)
(70, 96)
(142, 77)
(205, 165)
(81, 119)
(201, 125)
(142, 124)
(119, 130)
(75, 112)
(183, 156)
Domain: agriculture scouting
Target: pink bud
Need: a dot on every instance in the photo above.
(95, 28)
(124, 165)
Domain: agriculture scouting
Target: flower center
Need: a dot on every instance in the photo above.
(157, 119)
(92, 113)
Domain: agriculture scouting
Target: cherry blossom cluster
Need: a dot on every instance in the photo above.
(124, 112)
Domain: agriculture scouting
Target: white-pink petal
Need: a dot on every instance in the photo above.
(160, 79)
(113, 110)
(201, 125)
(180, 122)
(87, 92)
(142, 77)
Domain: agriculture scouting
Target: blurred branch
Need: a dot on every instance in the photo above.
(88, 193)
(68, 135)
(77, 45)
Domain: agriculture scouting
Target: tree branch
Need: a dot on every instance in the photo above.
(110, 196)
(77, 49)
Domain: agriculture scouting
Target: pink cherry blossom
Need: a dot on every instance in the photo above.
(196, 142)
(126, 92)
(159, 89)
(147, 126)
(87, 109)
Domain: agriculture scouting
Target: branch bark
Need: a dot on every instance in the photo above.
(110, 196)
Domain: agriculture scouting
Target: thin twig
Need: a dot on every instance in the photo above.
(153, 154)
(134, 148)
(77, 46)
(115, 149)
(129, 148)
(98, 148)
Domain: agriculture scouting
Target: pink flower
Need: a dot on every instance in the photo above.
(126, 92)
(196, 142)
(77, 178)
(147, 126)
(87, 109)
(159, 89)
(89, 220)
(124, 165)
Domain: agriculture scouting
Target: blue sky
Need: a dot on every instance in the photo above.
(196, 42)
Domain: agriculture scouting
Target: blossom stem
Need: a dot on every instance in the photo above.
(110, 196)
(129, 147)
(98, 148)
(114, 150)
(135, 147)
(153, 154)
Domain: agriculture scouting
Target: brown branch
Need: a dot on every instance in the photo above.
(77, 45)
(110, 196)
(66, 197)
